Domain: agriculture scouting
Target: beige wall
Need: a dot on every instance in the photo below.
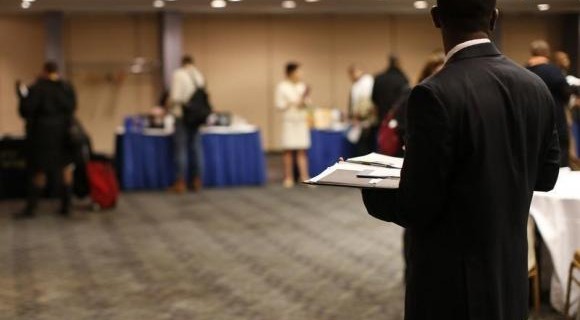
(241, 56)
(21, 57)
(99, 51)
(520, 30)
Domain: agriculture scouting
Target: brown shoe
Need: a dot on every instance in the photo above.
(178, 187)
(197, 184)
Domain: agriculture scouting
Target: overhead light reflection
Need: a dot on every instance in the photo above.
(288, 4)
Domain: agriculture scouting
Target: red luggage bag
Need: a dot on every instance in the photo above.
(104, 188)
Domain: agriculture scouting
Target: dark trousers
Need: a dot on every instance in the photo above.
(188, 151)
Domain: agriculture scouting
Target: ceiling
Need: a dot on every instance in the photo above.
(266, 6)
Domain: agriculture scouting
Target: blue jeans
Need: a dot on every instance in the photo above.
(188, 151)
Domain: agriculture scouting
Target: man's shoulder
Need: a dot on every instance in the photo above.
(390, 75)
(286, 85)
(501, 68)
(181, 72)
(461, 81)
(283, 84)
(547, 71)
(368, 78)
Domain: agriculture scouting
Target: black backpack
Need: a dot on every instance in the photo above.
(197, 109)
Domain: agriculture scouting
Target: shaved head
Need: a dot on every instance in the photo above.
(467, 15)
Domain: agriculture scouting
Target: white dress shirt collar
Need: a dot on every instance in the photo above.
(464, 45)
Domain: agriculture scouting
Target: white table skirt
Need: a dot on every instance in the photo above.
(557, 215)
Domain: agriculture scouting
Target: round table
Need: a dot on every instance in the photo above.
(233, 159)
(557, 216)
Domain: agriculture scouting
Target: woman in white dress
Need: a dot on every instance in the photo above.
(291, 99)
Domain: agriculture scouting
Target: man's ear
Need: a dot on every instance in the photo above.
(494, 19)
(436, 16)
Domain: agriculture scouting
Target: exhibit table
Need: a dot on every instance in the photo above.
(327, 146)
(232, 157)
(144, 161)
(557, 216)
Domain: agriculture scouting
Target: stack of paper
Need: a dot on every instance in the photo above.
(371, 171)
(379, 160)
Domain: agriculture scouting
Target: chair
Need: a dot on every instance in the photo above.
(571, 278)
(533, 273)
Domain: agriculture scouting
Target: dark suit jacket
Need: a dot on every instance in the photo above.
(480, 139)
(48, 110)
(387, 89)
(556, 82)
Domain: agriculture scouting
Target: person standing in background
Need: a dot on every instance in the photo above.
(395, 120)
(187, 141)
(362, 111)
(562, 61)
(388, 87)
(48, 108)
(292, 98)
(552, 76)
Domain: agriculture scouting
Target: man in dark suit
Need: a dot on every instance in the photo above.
(389, 86)
(480, 139)
(554, 78)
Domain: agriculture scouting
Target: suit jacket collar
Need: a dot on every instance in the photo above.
(476, 51)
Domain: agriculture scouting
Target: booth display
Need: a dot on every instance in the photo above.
(144, 161)
(233, 156)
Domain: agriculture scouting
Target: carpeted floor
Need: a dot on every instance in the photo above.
(248, 254)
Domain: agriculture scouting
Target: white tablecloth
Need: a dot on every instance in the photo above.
(236, 129)
(557, 215)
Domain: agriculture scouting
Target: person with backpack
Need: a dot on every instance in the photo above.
(187, 89)
(48, 108)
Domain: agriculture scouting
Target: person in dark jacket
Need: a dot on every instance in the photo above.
(48, 108)
(540, 64)
(433, 64)
(388, 87)
(481, 138)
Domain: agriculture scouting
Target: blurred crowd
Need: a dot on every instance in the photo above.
(376, 118)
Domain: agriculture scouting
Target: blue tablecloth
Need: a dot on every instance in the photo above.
(233, 160)
(146, 162)
(327, 147)
(576, 133)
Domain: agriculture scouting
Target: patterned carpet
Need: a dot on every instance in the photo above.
(271, 254)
